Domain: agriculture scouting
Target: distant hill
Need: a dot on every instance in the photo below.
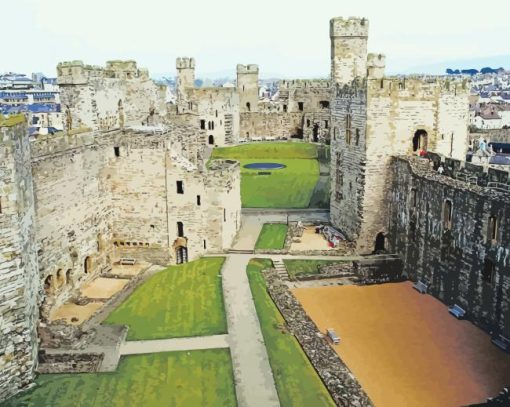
(440, 68)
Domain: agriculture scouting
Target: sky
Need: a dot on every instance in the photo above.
(289, 38)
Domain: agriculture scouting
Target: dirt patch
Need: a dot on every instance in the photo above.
(405, 348)
(310, 241)
(103, 287)
(128, 271)
(75, 314)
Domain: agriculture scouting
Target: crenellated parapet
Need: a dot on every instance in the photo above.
(304, 83)
(78, 73)
(348, 27)
(247, 69)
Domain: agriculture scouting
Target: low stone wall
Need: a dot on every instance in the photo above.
(329, 271)
(69, 363)
(340, 382)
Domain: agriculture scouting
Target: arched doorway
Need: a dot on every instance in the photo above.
(211, 140)
(420, 140)
(315, 132)
(380, 241)
(87, 265)
(181, 255)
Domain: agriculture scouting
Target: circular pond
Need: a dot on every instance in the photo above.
(264, 166)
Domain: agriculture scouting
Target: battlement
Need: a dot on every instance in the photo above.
(348, 27)
(376, 60)
(185, 63)
(245, 69)
(418, 86)
(77, 73)
(304, 83)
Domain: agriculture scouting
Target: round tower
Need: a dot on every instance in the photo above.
(248, 87)
(348, 48)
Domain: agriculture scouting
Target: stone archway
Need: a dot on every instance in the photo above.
(87, 265)
(380, 243)
(420, 140)
(181, 254)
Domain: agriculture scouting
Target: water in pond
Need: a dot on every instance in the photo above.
(264, 166)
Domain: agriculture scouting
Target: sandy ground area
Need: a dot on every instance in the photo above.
(310, 241)
(405, 348)
(80, 313)
(103, 287)
(128, 271)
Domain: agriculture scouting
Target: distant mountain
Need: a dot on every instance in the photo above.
(440, 68)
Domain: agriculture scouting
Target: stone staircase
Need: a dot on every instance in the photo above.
(281, 270)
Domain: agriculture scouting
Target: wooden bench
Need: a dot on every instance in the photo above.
(421, 287)
(457, 311)
(501, 342)
(333, 336)
(129, 261)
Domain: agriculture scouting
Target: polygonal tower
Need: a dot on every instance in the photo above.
(348, 48)
(185, 79)
(248, 87)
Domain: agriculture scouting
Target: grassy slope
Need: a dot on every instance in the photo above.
(184, 300)
(272, 236)
(303, 267)
(195, 378)
(297, 382)
(290, 187)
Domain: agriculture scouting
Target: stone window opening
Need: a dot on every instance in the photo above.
(413, 198)
(307, 122)
(205, 244)
(224, 215)
(335, 133)
(447, 214)
(202, 124)
(248, 106)
(60, 277)
(326, 124)
(180, 187)
(216, 113)
(68, 276)
(380, 243)
(180, 229)
(488, 271)
(211, 140)
(87, 263)
(199, 200)
(420, 140)
(324, 104)
(48, 284)
(116, 151)
(492, 229)
(348, 128)
(357, 137)
(301, 106)
(152, 227)
(285, 108)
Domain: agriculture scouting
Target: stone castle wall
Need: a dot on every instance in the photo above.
(396, 110)
(451, 260)
(19, 282)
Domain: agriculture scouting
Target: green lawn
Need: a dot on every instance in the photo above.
(183, 379)
(296, 380)
(305, 267)
(265, 150)
(272, 236)
(184, 300)
(290, 187)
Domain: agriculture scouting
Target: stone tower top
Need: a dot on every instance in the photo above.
(348, 27)
(185, 63)
(376, 63)
(251, 68)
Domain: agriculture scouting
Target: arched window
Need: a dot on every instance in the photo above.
(447, 214)
(420, 140)
(248, 106)
(48, 284)
(87, 265)
(180, 229)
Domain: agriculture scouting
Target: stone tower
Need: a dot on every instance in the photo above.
(248, 87)
(348, 48)
(376, 63)
(185, 79)
(19, 280)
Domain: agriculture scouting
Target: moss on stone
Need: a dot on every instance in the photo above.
(11, 120)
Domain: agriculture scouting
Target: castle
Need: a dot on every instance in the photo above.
(128, 179)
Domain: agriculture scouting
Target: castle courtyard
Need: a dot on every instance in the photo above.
(404, 348)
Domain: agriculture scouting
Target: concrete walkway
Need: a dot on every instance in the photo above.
(253, 376)
(174, 344)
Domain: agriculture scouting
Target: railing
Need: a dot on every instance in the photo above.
(500, 186)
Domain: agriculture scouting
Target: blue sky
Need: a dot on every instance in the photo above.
(284, 37)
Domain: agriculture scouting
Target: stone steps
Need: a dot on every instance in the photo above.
(281, 270)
